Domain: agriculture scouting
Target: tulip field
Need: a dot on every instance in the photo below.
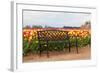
(30, 39)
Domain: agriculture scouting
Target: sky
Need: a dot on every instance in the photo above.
(54, 19)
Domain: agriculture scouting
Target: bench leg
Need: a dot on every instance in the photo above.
(77, 49)
(69, 45)
(40, 53)
(69, 48)
(47, 49)
(76, 44)
(47, 53)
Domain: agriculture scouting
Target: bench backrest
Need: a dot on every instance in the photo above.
(52, 35)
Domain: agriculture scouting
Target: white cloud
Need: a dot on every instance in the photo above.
(56, 19)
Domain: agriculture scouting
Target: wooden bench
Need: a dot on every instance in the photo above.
(53, 35)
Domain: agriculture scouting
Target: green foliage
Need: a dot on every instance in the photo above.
(25, 47)
(32, 46)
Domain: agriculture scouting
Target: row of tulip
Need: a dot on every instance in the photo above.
(30, 41)
(29, 34)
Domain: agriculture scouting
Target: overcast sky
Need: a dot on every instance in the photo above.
(54, 19)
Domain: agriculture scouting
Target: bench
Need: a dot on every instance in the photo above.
(48, 36)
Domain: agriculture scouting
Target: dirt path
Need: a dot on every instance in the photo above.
(84, 53)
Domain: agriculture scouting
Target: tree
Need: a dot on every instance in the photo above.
(87, 22)
(37, 26)
(27, 27)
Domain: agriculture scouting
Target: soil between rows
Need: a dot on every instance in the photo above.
(84, 53)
